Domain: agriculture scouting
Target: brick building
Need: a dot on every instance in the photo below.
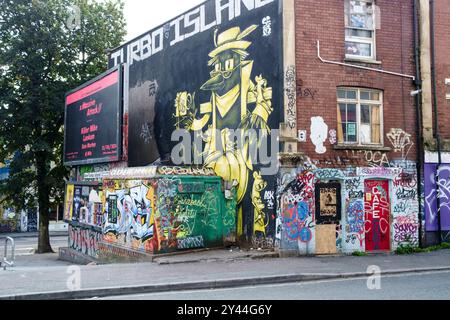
(350, 119)
(435, 74)
(353, 186)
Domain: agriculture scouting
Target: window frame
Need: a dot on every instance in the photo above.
(359, 102)
(372, 41)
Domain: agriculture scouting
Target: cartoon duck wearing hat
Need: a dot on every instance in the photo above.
(232, 94)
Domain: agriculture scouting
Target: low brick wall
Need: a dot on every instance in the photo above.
(110, 253)
(70, 255)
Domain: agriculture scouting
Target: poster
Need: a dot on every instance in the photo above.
(68, 205)
(328, 203)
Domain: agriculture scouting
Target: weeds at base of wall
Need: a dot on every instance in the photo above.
(408, 249)
(359, 254)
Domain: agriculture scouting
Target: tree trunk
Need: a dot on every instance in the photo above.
(44, 201)
(44, 235)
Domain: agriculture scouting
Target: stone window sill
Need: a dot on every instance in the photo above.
(369, 61)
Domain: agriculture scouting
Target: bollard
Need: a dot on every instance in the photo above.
(7, 263)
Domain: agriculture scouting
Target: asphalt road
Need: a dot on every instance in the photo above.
(424, 286)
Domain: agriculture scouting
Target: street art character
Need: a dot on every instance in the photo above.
(141, 228)
(232, 94)
(319, 134)
(259, 216)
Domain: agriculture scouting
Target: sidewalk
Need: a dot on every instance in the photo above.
(50, 281)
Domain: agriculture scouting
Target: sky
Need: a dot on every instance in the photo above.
(144, 15)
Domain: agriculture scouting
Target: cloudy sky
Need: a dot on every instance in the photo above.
(143, 15)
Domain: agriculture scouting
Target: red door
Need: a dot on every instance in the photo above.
(377, 208)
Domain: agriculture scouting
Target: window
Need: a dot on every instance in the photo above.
(360, 116)
(359, 29)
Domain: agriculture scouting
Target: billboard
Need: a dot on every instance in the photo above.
(216, 68)
(93, 115)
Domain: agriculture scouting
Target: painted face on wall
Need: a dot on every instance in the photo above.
(319, 134)
(226, 73)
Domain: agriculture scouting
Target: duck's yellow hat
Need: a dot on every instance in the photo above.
(231, 39)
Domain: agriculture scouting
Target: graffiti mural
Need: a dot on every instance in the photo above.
(32, 220)
(401, 141)
(83, 204)
(366, 223)
(166, 214)
(297, 203)
(129, 214)
(355, 230)
(377, 209)
(84, 240)
(431, 196)
(222, 71)
(9, 220)
(405, 209)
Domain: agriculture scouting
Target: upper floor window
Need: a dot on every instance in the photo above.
(360, 29)
(359, 116)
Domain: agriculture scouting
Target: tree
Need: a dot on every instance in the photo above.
(47, 47)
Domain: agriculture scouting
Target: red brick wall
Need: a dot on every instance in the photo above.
(324, 20)
(442, 42)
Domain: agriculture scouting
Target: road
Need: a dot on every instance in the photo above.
(424, 286)
(28, 245)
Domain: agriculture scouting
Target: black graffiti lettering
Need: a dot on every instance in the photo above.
(406, 194)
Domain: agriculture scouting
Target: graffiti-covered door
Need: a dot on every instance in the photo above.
(377, 208)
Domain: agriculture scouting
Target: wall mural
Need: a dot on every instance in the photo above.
(431, 196)
(367, 214)
(165, 214)
(297, 211)
(83, 204)
(377, 207)
(84, 240)
(223, 71)
(9, 220)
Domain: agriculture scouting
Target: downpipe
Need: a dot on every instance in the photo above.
(436, 117)
(419, 126)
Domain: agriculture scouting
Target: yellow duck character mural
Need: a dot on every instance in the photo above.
(259, 217)
(232, 94)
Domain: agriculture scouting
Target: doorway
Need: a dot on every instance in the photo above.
(377, 210)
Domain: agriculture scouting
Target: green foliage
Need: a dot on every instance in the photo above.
(359, 254)
(409, 249)
(42, 56)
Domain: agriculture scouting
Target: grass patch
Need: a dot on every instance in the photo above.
(359, 254)
(408, 249)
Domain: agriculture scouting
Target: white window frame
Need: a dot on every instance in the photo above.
(373, 41)
(358, 103)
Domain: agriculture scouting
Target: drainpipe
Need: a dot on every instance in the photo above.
(319, 56)
(420, 152)
(436, 118)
